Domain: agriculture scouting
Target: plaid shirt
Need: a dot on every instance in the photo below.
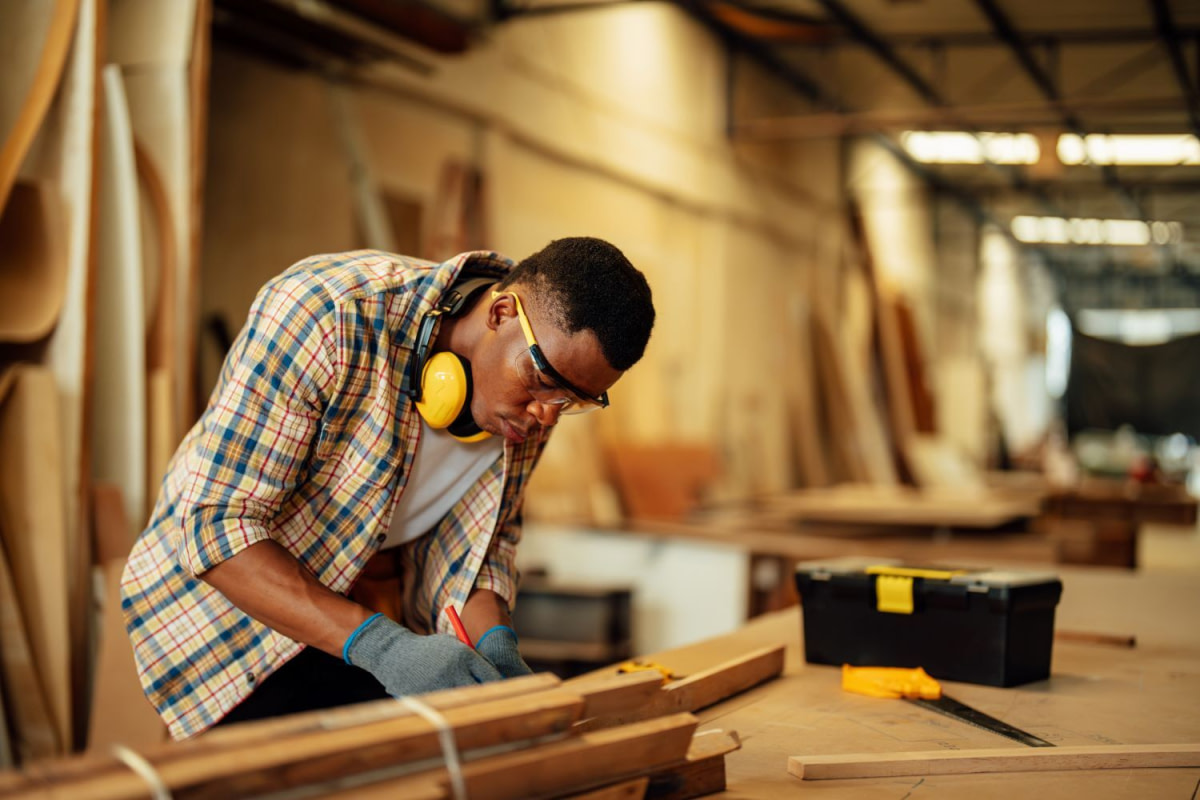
(308, 439)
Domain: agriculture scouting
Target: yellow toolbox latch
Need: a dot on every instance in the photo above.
(894, 594)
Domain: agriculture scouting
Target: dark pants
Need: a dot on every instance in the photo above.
(310, 681)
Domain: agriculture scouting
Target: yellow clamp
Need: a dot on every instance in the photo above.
(646, 666)
(890, 682)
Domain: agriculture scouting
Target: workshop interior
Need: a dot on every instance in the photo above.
(901, 497)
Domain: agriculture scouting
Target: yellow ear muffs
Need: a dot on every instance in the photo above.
(446, 397)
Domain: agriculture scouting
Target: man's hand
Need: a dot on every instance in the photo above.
(499, 646)
(407, 663)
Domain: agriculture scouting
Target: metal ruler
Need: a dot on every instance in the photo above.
(973, 716)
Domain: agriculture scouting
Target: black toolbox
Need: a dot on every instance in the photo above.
(994, 627)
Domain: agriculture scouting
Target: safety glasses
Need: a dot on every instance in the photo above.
(544, 382)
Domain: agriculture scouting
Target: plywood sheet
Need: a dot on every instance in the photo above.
(34, 530)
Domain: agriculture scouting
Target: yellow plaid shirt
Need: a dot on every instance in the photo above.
(308, 439)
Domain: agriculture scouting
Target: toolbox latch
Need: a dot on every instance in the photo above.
(894, 594)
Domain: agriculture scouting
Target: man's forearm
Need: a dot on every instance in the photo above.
(483, 610)
(269, 584)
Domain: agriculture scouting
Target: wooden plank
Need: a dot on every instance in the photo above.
(1015, 759)
(119, 389)
(701, 689)
(296, 760)
(571, 765)
(755, 535)
(33, 734)
(701, 773)
(161, 332)
(625, 790)
(64, 153)
(35, 39)
(616, 693)
(6, 744)
(159, 104)
(247, 733)
(893, 505)
(188, 293)
(34, 531)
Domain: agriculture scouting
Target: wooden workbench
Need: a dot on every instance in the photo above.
(1098, 694)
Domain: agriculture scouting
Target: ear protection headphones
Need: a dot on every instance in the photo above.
(440, 383)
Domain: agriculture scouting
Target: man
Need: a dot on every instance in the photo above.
(312, 459)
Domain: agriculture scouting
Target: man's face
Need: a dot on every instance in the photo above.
(511, 398)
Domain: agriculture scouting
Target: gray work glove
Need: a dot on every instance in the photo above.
(499, 646)
(407, 663)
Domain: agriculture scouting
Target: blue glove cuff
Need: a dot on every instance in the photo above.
(350, 639)
(492, 630)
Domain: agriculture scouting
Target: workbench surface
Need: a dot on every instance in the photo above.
(1097, 694)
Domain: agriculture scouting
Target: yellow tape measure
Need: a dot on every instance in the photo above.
(648, 666)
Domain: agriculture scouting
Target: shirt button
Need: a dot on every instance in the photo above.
(381, 538)
(250, 678)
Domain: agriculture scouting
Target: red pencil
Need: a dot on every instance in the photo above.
(459, 630)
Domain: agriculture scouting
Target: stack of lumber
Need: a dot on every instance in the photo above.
(612, 735)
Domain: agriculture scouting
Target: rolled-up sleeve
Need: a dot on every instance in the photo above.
(263, 424)
(499, 572)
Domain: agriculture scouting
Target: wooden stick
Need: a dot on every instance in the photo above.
(1089, 637)
(1015, 759)
(700, 690)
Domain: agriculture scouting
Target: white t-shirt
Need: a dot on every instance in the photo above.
(442, 471)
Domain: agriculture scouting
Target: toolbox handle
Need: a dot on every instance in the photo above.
(914, 572)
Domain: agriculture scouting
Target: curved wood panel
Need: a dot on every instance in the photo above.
(33, 264)
(35, 38)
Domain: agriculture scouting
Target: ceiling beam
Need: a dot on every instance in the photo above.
(1169, 35)
(884, 51)
(1008, 34)
(736, 41)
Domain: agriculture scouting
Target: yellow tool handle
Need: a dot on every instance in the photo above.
(890, 682)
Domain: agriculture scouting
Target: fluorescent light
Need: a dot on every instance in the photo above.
(961, 147)
(1139, 326)
(1129, 149)
(1058, 351)
(1079, 230)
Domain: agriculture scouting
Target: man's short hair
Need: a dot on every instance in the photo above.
(584, 283)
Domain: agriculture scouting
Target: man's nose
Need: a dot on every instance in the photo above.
(546, 414)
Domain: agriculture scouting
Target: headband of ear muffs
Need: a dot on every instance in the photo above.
(443, 392)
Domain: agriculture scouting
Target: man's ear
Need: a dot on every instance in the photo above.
(502, 309)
